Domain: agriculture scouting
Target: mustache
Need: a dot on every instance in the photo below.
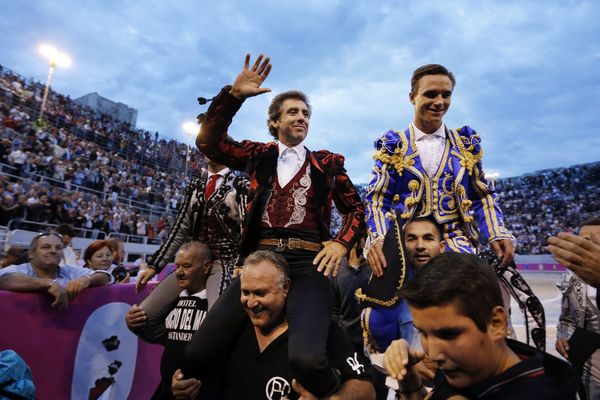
(257, 309)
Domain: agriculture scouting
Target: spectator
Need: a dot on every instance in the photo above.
(43, 274)
(579, 254)
(69, 257)
(99, 257)
(11, 256)
(17, 158)
(40, 211)
(258, 361)
(193, 262)
(463, 331)
(118, 250)
(578, 332)
(8, 209)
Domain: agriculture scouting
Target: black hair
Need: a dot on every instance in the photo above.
(458, 278)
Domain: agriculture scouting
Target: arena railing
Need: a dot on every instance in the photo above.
(129, 238)
(4, 232)
(96, 234)
(144, 208)
(35, 226)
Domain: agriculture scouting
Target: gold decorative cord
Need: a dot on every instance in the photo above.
(466, 147)
(361, 297)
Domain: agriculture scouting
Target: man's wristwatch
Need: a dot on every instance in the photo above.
(51, 283)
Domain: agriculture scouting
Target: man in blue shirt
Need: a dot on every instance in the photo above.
(43, 274)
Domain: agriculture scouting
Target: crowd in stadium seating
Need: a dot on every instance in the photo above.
(119, 164)
(116, 166)
(540, 205)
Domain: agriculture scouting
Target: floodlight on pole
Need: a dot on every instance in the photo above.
(55, 58)
(191, 128)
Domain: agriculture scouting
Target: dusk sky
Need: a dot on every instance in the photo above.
(528, 72)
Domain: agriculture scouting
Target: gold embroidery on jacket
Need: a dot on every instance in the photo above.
(466, 147)
(397, 159)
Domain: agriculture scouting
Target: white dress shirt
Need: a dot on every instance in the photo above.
(222, 173)
(431, 148)
(289, 162)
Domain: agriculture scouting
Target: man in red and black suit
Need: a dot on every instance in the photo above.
(289, 211)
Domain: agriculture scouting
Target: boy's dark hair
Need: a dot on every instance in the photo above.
(458, 278)
(429, 69)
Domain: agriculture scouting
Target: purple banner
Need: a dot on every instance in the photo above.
(85, 351)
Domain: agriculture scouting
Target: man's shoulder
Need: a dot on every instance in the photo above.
(538, 376)
(260, 147)
(469, 138)
(24, 268)
(236, 179)
(331, 162)
(392, 140)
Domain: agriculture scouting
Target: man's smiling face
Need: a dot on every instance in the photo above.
(432, 101)
(263, 294)
(292, 125)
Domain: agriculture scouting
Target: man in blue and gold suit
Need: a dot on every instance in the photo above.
(431, 171)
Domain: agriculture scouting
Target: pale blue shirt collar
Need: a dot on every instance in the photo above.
(419, 134)
(299, 150)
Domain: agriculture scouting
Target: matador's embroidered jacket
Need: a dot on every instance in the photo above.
(259, 160)
(215, 221)
(457, 197)
(579, 311)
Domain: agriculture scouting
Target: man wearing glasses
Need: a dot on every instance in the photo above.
(43, 274)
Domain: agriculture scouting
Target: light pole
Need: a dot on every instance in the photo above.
(191, 128)
(55, 58)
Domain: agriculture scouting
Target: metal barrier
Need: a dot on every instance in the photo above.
(4, 237)
(127, 238)
(22, 238)
(155, 211)
(14, 224)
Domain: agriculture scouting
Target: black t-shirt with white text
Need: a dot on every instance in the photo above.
(250, 374)
(181, 323)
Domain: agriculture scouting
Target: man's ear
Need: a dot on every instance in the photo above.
(411, 98)
(286, 286)
(274, 124)
(497, 324)
(442, 246)
(207, 267)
